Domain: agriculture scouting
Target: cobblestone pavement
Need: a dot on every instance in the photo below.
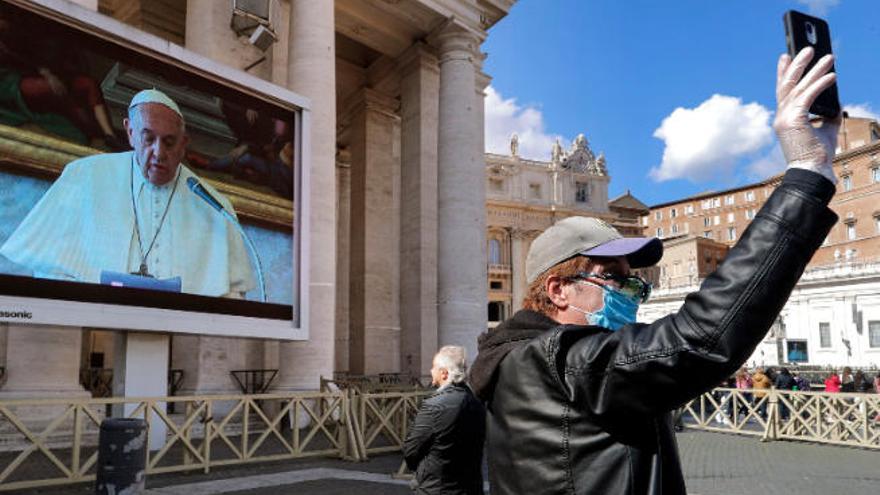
(714, 464)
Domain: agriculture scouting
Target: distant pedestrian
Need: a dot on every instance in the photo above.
(760, 381)
(744, 385)
(784, 381)
(445, 443)
(802, 382)
(847, 382)
(877, 384)
(832, 383)
(861, 383)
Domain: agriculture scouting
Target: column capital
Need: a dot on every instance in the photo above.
(455, 41)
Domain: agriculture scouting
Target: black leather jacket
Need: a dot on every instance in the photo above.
(581, 409)
(445, 443)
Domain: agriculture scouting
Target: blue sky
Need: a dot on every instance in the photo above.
(678, 94)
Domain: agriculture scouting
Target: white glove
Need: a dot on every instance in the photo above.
(805, 146)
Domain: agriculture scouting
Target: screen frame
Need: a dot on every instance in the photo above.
(52, 302)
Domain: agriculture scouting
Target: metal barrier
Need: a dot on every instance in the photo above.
(383, 419)
(57, 439)
(850, 419)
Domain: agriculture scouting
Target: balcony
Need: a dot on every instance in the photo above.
(499, 269)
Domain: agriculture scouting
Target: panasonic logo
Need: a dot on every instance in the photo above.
(23, 315)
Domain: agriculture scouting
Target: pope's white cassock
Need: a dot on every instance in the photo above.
(85, 224)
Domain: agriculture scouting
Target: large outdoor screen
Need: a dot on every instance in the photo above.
(174, 212)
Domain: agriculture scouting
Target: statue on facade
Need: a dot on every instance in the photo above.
(556, 152)
(514, 145)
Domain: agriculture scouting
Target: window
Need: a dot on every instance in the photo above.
(877, 223)
(645, 220)
(496, 311)
(673, 213)
(687, 228)
(707, 221)
(497, 185)
(874, 333)
(658, 215)
(730, 217)
(535, 190)
(659, 231)
(582, 192)
(750, 213)
(706, 204)
(851, 231)
(731, 233)
(494, 252)
(797, 351)
(824, 335)
(716, 202)
(728, 200)
(496, 285)
(847, 183)
(716, 220)
(750, 195)
(707, 234)
(875, 175)
(675, 228)
(689, 210)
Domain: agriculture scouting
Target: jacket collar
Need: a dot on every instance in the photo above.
(494, 345)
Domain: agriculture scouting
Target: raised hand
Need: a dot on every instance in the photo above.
(804, 144)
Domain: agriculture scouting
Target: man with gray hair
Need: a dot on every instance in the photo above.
(445, 441)
(131, 213)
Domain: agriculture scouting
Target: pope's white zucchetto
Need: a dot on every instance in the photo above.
(154, 96)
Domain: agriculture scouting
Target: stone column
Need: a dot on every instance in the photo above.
(461, 196)
(311, 72)
(42, 362)
(419, 84)
(519, 245)
(343, 226)
(374, 329)
(208, 33)
(207, 361)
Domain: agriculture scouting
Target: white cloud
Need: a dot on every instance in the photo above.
(772, 163)
(505, 117)
(819, 7)
(706, 142)
(861, 110)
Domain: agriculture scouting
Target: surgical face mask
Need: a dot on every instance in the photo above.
(617, 310)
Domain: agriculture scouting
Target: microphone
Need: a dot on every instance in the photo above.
(200, 191)
(197, 187)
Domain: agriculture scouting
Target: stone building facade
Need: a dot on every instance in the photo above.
(524, 197)
(832, 317)
(397, 202)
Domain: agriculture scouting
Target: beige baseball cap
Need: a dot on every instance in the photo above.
(586, 236)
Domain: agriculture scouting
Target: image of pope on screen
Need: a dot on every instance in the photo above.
(130, 218)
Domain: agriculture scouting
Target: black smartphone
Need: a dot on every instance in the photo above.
(801, 31)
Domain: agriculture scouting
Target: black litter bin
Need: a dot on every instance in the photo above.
(122, 456)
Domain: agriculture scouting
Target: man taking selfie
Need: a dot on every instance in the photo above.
(579, 395)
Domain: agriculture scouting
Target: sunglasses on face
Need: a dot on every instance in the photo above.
(630, 285)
